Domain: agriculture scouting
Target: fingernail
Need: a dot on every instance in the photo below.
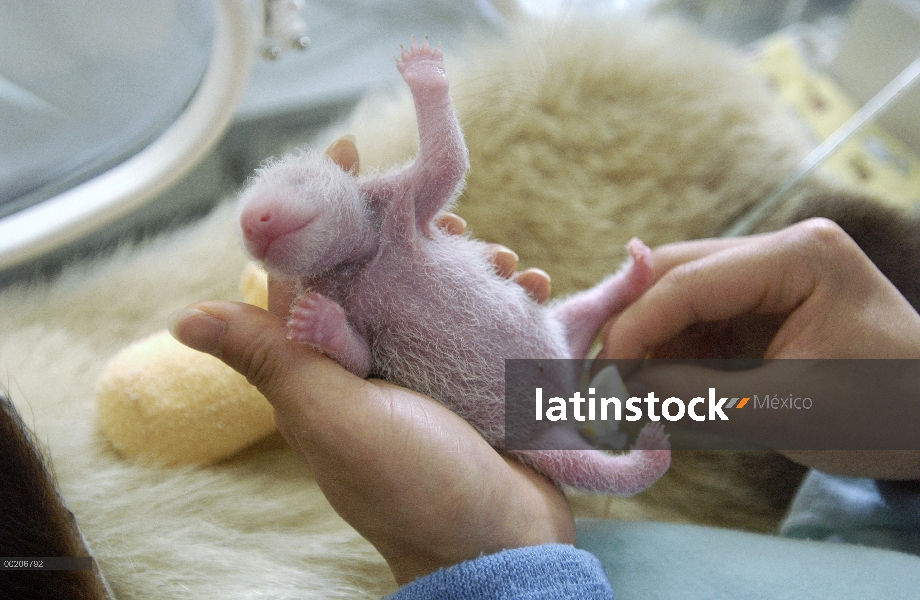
(537, 271)
(451, 223)
(504, 259)
(197, 329)
(506, 253)
(608, 382)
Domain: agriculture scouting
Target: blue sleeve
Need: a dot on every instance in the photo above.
(550, 572)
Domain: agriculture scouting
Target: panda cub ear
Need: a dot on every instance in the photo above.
(344, 153)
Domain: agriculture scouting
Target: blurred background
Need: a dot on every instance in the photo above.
(119, 118)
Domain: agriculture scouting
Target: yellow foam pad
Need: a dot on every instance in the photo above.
(163, 403)
(160, 402)
(254, 285)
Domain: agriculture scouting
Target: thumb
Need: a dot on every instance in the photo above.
(253, 342)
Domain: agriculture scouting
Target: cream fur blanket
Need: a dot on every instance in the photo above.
(253, 526)
(580, 138)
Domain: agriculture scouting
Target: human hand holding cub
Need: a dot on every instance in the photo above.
(408, 474)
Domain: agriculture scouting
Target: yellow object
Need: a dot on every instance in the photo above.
(160, 402)
(873, 160)
(254, 285)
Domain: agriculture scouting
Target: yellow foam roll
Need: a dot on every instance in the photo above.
(163, 403)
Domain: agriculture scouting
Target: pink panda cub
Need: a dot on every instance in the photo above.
(386, 293)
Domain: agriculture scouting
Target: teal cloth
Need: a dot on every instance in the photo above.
(650, 561)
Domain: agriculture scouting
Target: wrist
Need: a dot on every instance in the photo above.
(528, 510)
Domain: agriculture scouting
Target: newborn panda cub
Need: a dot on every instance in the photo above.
(386, 293)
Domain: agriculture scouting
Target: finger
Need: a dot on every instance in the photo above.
(281, 295)
(450, 223)
(344, 153)
(535, 282)
(688, 382)
(744, 336)
(668, 256)
(504, 259)
(766, 275)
